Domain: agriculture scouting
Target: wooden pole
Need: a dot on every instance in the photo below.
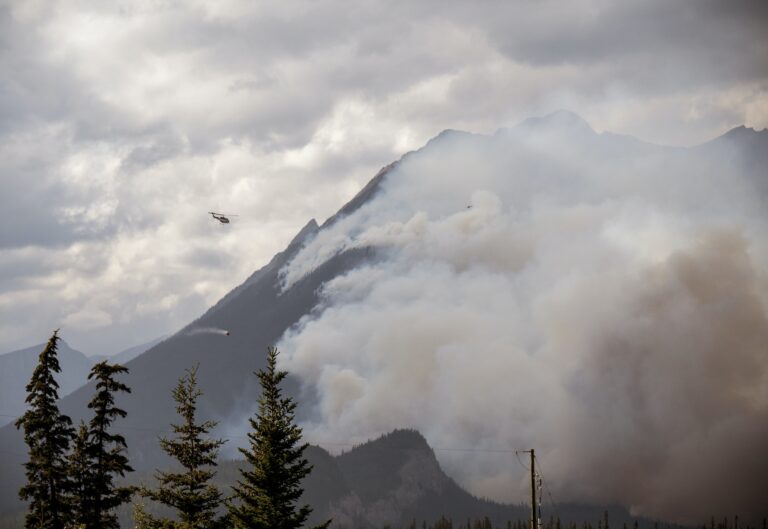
(533, 490)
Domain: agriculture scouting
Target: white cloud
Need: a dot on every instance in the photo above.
(123, 123)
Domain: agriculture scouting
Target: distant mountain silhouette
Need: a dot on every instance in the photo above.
(128, 354)
(16, 370)
(562, 121)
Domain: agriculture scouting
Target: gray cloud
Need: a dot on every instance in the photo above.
(123, 123)
(42, 208)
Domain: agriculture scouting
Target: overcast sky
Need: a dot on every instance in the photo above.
(123, 123)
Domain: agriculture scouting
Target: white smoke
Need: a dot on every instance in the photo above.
(601, 300)
(207, 330)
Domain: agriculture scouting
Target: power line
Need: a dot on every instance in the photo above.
(517, 455)
(549, 492)
(324, 444)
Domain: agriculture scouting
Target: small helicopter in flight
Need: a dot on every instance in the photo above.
(221, 217)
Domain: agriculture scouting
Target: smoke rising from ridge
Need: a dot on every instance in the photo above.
(602, 300)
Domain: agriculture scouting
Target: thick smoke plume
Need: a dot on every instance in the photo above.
(599, 299)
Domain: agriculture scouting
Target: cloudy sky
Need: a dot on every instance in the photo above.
(123, 123)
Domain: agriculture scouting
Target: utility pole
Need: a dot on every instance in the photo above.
(534, 518)
(533, 490)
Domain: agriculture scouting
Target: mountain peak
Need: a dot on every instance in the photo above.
(745, 139)
(450, 133)
(743, 131)
(393, 450)
(310, 228)
(405, 439)
(558, 120)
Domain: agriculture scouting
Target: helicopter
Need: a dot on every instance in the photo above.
(221, 217)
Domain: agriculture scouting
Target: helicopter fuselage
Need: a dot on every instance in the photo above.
(221, 218)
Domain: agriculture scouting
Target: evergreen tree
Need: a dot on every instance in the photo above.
(271, 483)
(47, 433)
(79, 470)
(189, 492)
(105, 452)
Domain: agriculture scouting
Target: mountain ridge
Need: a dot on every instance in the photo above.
(257, 313)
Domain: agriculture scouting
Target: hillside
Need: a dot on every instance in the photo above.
(394, 480)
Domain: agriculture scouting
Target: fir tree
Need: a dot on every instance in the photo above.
(271, 483)
(79, 470)
(190, 492)
(47, 433)
(105, 452)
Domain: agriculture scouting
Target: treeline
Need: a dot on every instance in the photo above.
(72, 474)
(555, 523)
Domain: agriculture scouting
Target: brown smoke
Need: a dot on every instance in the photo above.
(606, 306)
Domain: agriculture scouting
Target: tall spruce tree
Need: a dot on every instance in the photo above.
(271, 483)
(190, 492)
(80, 472)
(47, 433)
(105, 451)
